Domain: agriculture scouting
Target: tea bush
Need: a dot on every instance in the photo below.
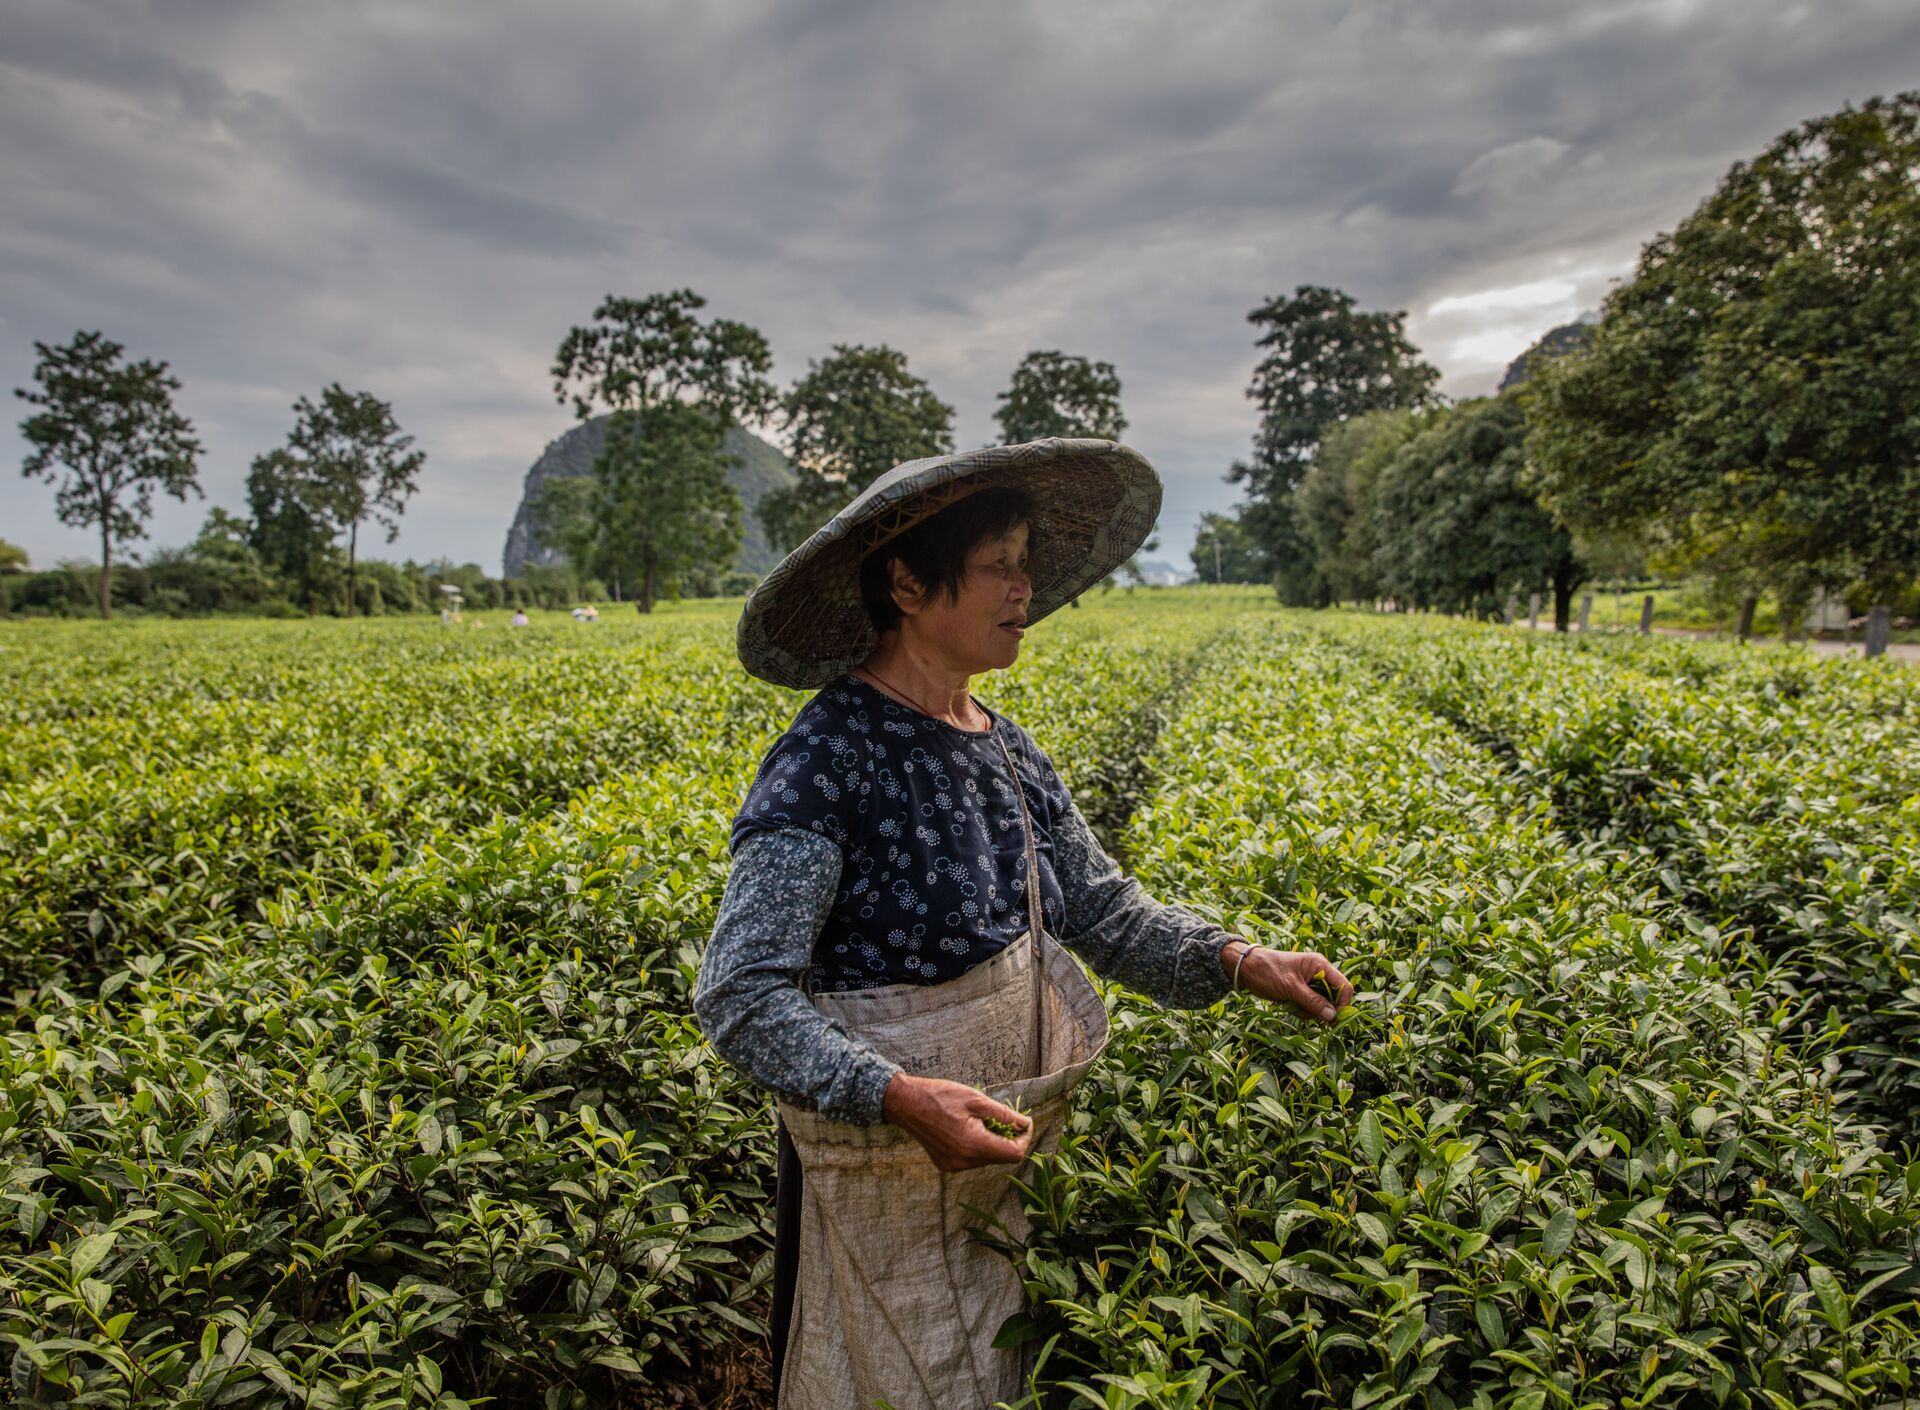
(1560, 1154)
(397, 1099)
(1775, 795)
(350, 1060)
(130, 819)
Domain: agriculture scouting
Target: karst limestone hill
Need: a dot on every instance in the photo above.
(760, 468)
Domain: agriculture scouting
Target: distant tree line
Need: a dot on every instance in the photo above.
(655, 505)
(654, 515)
(1746, 411)
(219, 573)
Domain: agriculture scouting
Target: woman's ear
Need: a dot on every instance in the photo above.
(905, 589)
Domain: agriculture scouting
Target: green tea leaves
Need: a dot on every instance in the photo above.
(1557, 1237)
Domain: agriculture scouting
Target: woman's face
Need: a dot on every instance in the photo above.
(980, 629)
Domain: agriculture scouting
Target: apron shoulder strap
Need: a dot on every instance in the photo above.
(1036, 914)
(1036, 917)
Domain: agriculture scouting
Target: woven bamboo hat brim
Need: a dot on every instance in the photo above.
(1094, 505)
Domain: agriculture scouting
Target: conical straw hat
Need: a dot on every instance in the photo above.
(1094, 505)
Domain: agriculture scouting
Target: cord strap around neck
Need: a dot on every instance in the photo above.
(1036, 916)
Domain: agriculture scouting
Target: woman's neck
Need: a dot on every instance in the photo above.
(922, 679)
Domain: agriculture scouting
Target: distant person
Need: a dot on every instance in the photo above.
(519, 618)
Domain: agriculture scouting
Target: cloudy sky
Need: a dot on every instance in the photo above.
(418, 200)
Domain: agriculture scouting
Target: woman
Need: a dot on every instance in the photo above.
(884, 959)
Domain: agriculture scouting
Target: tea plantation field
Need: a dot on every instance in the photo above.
(348, 1058)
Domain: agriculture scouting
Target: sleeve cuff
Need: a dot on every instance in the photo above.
(865, 1101)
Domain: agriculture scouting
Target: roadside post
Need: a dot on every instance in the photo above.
(1879, 630)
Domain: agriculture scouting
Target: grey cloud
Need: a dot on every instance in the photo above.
(1510, 165)
(436, 199)
(83, 44)
(419, 199)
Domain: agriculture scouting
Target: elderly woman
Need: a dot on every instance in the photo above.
(885, 959)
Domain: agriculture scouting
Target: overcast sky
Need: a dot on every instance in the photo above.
(418, 200)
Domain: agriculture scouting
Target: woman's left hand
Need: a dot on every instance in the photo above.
(1290, 977)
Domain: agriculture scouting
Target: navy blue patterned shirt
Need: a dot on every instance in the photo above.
(933, 879)
(796, 892)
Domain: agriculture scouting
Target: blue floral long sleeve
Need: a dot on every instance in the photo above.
(750, 1006)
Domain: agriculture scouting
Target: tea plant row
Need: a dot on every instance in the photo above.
(1777, 798)
(353, 1062)
(426, 1121)
(1565, 1152)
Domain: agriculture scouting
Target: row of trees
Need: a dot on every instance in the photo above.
(655, 513)
(1746, 410)
(220, 572)
(106, 433)
(656, 506)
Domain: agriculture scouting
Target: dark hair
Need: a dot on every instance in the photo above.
(935, 550)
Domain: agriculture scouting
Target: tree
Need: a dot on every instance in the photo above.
(658, 500)
(1326, 361)
(656, 504)
(291, 530)
(225, 537)
(1335, 502)
(853, 417)
(1750, 401)
(1055, 394)
(361, 464)
(1458, 527)
(13, 558)
(112, 428)
(566, 520)
(1225, 552)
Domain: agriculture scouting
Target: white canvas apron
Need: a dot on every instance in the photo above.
(895, 1300)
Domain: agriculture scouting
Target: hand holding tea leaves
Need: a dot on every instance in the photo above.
(1307, 979)
(960, 1126)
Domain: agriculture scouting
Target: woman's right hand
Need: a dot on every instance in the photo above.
(946, 1118)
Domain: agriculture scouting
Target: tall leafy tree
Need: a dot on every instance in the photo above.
(1326, 360)
(659, 501)
(361, 464)
(1750, 401)
(13, 558)
(1335, 502)
(292, 531)
(1458, 528)
(851, 418)
(108, 433)
(1060, 394)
